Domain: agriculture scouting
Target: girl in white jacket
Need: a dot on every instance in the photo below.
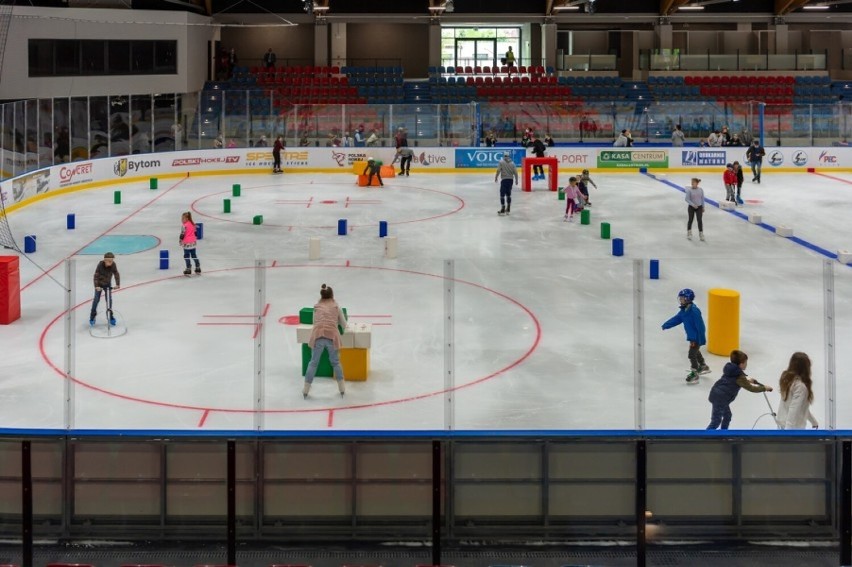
(796, 394)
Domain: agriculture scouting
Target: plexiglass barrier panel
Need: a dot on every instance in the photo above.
(842, 296)
(544, 343)
(739, 309)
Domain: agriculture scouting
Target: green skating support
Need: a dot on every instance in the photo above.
(116, 197)
(306, 317)
(257, 219)
(153, 183)
(605, 230)
(585, 216)
(235, 190)
(561, 193)
(227, 205)
(324, 370)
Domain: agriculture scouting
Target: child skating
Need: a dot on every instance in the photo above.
(726, 388)
(738, 169)
(584, 182)
(693, 325)
(104, 274)
(572, 199)
(188, 241)
(729, 178)
(694, 208)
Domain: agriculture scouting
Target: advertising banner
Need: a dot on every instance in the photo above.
(616, 159)
(486, 158)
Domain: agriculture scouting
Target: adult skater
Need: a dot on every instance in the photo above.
(325, 337)
(693, 325)
(538, 148)
(726, 388)
(507, 173)
(188, 242)
(796, 394)
(695, 208)
(276, 155)
(754, 155)
(104, 273)
(405, 154)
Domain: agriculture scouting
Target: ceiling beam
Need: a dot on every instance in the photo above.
(669, 7)
(548, 9)
(784, 7)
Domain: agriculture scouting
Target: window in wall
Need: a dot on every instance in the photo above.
(71, 57)
(41, 57)
(118, 57)
(479, 46)
(94, 57)
(67, 57)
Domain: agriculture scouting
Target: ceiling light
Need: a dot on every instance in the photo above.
(816, 7)
(449, 6)
(320, 8)
(691, 8)
(562, 8)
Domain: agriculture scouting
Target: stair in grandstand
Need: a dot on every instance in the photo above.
(417, 91)
(636, 91)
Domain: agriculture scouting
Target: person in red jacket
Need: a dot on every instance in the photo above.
(730, 180)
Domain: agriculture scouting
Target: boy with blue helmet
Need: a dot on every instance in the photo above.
(693, 324)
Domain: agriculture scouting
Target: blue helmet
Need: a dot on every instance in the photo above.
(686, 293)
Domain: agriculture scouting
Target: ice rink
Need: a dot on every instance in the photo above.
(543, 327)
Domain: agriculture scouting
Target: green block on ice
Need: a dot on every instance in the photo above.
(585, 216)
(153, 183)
(605, 230)
(324, 368)
(235, 190)
(561, 194)
(258, 219)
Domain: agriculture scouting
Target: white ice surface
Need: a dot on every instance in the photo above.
(543, 334)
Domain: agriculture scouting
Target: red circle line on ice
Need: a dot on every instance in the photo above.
(81, 382)
(199, 212)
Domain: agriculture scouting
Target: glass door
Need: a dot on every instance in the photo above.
(476, 52)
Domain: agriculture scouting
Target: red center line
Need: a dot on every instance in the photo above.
(311, 200)
(107, 231)
(228, 315)
(226, 323)
(834, 178)
(330, 422)
(371, 316)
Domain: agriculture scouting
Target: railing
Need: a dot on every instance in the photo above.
(588, 62)
(242, 490)
(676, 61)
(44, 132)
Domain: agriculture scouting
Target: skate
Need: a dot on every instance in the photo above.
(112, 322)
(198, 271)
(305, 389)
(502, 211)
(341, 387)
(588, 203)
(692, 377)
(406, 174)
(508, 210)
(689, 235)
(701, 236)
(565, 218)
(187, 272)
(91, 322)
(401, 173)
(740, 201)
(704, 369)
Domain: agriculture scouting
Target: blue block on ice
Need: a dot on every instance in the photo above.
(341, 227)
(655, 269)
(70, 221)
(383, 229)
(617, 247)
(29, 244)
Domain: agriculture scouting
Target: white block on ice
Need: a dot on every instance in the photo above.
(784, 231)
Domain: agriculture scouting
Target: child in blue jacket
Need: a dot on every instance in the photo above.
(726, 388)
(693, 324)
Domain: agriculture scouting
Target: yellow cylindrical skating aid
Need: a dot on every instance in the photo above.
(723, 321)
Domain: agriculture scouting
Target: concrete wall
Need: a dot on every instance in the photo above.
(46, 23)
(409, 43)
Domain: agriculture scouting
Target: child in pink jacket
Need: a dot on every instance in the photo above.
(572, 199)
(188, 241)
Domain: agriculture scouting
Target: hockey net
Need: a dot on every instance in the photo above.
(7, 240)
